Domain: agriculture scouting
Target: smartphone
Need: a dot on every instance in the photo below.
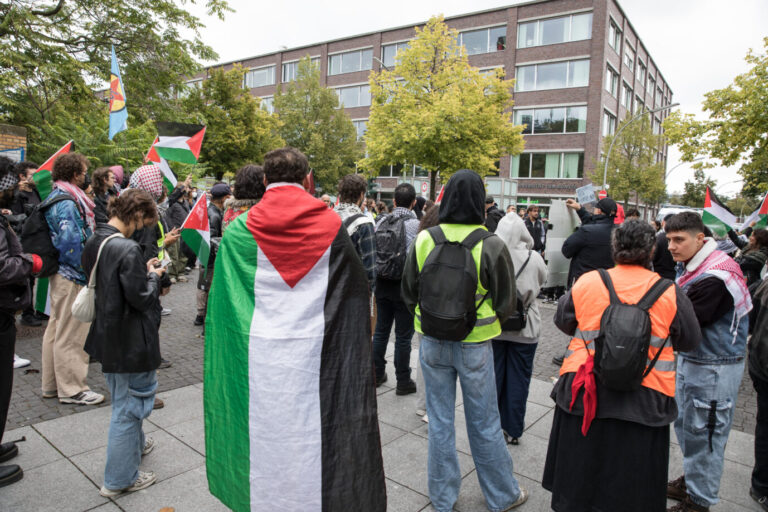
(165, 263)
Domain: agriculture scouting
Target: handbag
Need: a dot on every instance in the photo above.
(519, 319)
(84, 307)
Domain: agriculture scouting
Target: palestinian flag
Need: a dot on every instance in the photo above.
(290, 402)
(179, 142)
(760, 215)
(42, 175)
(169, 177)
(440, 195)
(717, 216)
(196, 232)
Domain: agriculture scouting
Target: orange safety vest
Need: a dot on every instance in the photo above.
(590, 299)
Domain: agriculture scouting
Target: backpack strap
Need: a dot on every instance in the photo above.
(524, 265)
(349, 221)
(653, 294)
(609, 284)
(436, 232)
(472, 239)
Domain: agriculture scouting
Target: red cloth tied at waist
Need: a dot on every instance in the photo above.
(585, 377)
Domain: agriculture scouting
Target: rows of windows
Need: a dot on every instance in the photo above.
(547, 165)
(290, 69)
(354, 96)
(407, 170)
(552, 120)
(552, 75)
(485, 40)
(349, 62)
(562, 29)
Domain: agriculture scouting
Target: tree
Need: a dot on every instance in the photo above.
(694, 192)
(433, 109)
(633, 170)
(238, 130)
(736, 129)
(312, 122)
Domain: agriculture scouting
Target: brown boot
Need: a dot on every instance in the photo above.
(688, 506)
(159, 404)
(676, 489)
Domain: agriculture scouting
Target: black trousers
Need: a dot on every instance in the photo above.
(7, 346)
(760, 472)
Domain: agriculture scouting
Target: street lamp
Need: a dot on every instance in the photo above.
(616, 136)
(681, 163)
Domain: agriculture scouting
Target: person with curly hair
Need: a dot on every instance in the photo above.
(249, 188)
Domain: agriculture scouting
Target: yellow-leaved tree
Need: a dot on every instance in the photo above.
(435, 110)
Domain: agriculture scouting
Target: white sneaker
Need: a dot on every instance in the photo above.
(149, 445)
(19, 362)
(166, 311)
(425, 418)
(83, 398)
(146, 478)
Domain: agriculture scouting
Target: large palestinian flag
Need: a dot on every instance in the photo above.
(196, 231)
(169, 177)
(717, 216)
(179, 142)
(290, 403)
(760, 215)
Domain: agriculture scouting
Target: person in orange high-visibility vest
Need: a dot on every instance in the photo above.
(620, 462)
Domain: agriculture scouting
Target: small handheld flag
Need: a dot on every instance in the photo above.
(42, 176)
(760, 216)
(169, 178)
(118, 114)
(440, 195)
(179, 142)
(717, 216)
(195, 230)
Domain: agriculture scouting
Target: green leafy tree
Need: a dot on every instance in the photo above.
(633, 172)
(736, 129)
(742, 206)
(695, 191)
(435, 110)
(238, 130)
(312, 122)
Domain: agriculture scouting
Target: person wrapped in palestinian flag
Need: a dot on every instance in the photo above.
(290, 403)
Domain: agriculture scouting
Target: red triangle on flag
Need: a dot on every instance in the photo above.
(48, 165)
(195, 142)
(764, 206)
(198, 216)
(707, 200)
(152, 155)
(440, 195)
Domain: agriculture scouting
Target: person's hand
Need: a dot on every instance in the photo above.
(571, 203)
(172, 236)
(4, 211)
(753, 223)
(25, 186)
(153, 264)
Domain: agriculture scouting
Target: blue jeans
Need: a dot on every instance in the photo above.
(133, 396)
(441, 363)
(391, 311)
(706, 395)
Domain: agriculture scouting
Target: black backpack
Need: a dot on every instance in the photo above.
(621, 349)
(36, 236)
(519, 319)
(448, 285)
(391, 248)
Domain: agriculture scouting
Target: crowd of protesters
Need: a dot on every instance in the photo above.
(457, 280)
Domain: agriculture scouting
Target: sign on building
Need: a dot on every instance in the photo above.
(15, 154)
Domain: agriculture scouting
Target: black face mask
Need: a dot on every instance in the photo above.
(86, 182)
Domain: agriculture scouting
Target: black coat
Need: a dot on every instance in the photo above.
(24, 201)
(100, 209)
(663, 264)
(536, 230)
(124, 334)
(589, 247)
(15, 269)
(492, 217)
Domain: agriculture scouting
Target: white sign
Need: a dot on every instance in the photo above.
(17, 155)
(586, 195)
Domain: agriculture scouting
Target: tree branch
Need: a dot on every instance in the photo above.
(50, 12)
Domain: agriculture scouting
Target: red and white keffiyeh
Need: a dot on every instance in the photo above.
(83, 200)
(150, 179)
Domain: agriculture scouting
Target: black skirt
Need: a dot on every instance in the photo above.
(619, 466)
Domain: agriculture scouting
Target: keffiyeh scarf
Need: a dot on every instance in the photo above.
(83, 200)
(150, 179)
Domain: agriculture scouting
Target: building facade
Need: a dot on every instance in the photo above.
(579, 65)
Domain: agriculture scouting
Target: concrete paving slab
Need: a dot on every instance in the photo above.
(79, 433)
(33, 452)
(534, 412)
(388, 433)
(741, 448)
(107, 507)
(170, 457)
(471, 497)
(185, 493)
(191, 400)
(529, 457)
(405, 462)
(543, 426)
(191, 433)
(49, 488)
(403, 499)
(399, 411)
(539, 392)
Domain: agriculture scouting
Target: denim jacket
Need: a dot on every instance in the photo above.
(69, 233)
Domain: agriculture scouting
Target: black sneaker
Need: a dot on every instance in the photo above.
(558, 360)
(199, 320)
(381, 380)
(164, 363)
(761, 500)
(10, 474)
(31, 320)
(405, 387)
(8, 451)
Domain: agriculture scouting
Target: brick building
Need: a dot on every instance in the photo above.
(13, 142)
(579, 67)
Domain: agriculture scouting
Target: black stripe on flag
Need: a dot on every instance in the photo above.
(166, 129)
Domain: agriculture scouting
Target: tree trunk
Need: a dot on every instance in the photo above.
(432, 185)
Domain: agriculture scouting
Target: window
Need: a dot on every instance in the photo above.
(656, 127)
(553, 120)
(626, 97)
(547, 165)
(260, 77)
(360, 126)
(651, 86)
(614, 37)
(349, 62)
(609, 124)
(268, 104)
(629, 58)
(640, 72)
(355, 96)
(486, 40)
(389, 53)
(291, 68)
(611, 81)
(659, 95)
(552, 75)
(639, 104)
(554, 30)
(189, 86)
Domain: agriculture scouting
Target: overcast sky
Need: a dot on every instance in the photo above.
(699, 45)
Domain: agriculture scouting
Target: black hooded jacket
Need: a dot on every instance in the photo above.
(590, 247)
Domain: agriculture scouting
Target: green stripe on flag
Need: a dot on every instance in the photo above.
(226, 391)
(717, 226)
(41, 296)
(198, 244)
(183, 155)
(168, 185)
(43, 182)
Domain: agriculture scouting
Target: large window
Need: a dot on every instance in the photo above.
(389, 53)
(659, 96)
(349, 62)
(552, 120)
(486, 40)
(547, 165)
(360, 126)
(259, 77)
(611, 81)
(553, 75)
(629, 58)
(626, 97)
(640, 72)
(651, 86)
(355, 96)
(268, 104)
(609, 124)
(555, 30)
(614, 37)
(639, 104)
(290, 69)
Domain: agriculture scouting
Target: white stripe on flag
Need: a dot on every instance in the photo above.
(173, 142)
(286, 342)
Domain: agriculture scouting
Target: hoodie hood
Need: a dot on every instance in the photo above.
(514, 234)
(463, 199)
